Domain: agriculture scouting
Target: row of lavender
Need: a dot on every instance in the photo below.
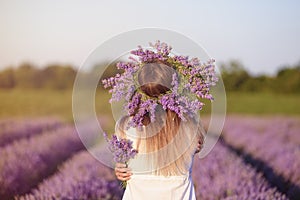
(83, 177)
(14, 129)
(27, 161)
(273, 141)
(80, 177)
(284, 129)
(223, 175)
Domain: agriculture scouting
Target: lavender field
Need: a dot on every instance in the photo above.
(256, 158)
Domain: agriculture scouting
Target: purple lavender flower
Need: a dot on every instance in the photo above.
(121, 149)
(147, 106)
(132, 105)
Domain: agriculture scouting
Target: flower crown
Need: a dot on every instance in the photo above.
(189, 85)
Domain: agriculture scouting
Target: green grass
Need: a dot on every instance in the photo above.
(263, 103)
(22, 103)
(34, 103)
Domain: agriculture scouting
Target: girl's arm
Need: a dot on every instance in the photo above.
(122, 171)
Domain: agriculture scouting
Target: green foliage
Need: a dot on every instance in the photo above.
(288, 80)
(58, 77)
(7, 78)
(234, 75)
(236, 78)
(27, 76)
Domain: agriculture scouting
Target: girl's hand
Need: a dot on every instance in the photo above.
(122, 172)
(200, 146)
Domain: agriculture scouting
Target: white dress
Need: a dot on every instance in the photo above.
(146, 186)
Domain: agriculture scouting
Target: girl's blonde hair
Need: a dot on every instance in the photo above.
(172, 147)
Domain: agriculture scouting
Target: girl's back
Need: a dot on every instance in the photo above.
(162, 168)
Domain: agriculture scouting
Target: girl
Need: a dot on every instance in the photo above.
(166, 147)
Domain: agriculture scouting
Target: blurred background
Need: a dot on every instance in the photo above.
(256, 47)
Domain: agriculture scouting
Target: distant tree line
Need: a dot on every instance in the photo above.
(234, 75)
(236, 78)
(28, 76)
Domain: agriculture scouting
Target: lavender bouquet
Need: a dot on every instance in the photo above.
(122, 151)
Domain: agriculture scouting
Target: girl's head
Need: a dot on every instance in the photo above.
(155, 78)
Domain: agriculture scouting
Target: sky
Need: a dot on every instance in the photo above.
(262, 35)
